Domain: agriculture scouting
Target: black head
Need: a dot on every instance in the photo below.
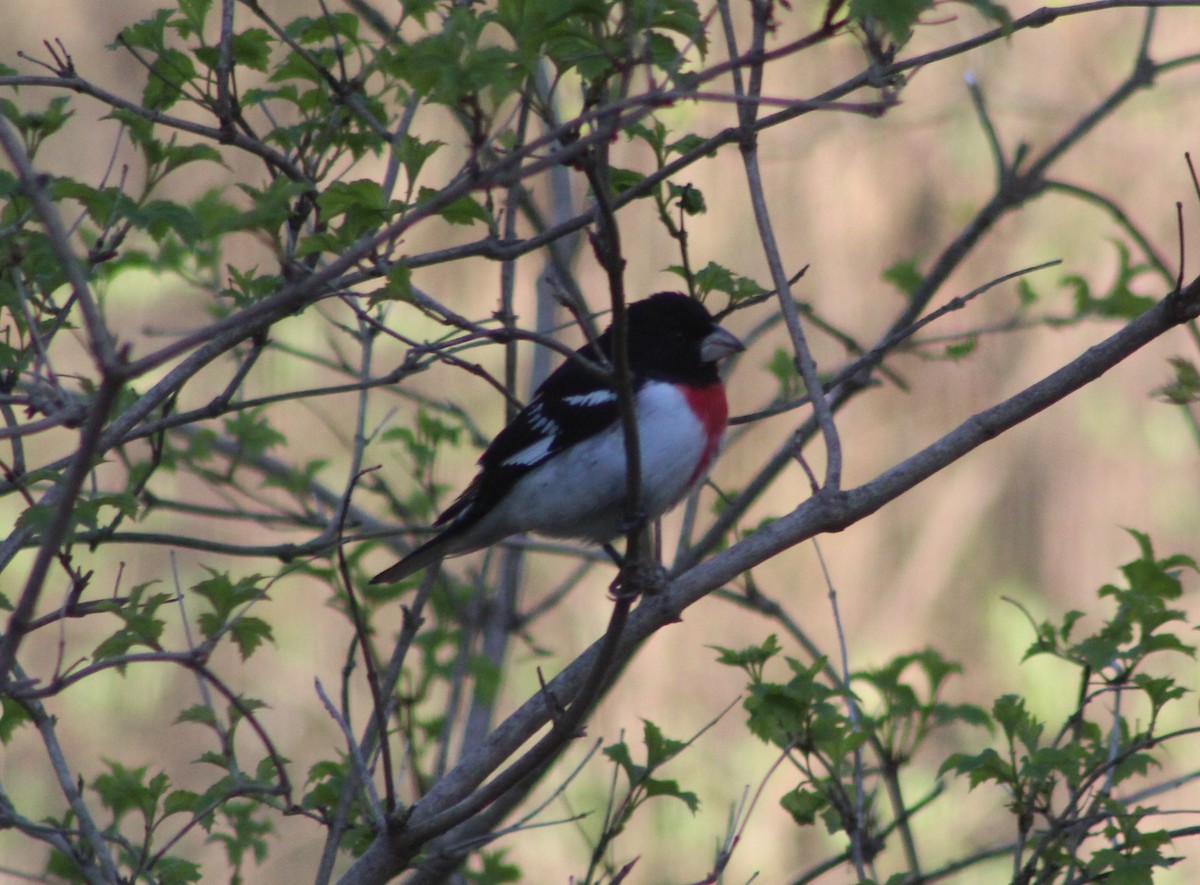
(673, 338)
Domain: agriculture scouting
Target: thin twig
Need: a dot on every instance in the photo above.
(859, 834)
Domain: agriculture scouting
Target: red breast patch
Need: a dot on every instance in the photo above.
(709, 405)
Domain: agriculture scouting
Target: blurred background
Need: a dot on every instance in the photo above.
(1036, 516)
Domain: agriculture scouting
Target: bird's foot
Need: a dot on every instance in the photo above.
(637, 578)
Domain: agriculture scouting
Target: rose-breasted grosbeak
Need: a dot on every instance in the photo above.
(559, 468)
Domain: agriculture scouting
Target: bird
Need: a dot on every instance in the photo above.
(559, 467)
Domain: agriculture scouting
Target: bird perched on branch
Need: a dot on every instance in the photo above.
(559, 468)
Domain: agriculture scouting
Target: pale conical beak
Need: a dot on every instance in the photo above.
(718, 345)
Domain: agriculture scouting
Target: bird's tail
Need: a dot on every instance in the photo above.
(426, 555)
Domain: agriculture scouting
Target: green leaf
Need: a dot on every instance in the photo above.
(176, 871)
(194, 14)
(36, 517)
(961, 349)
(399, 284)
(581, 51)
(198, 713)
(714, 277)
(245, 827)
(654, 133)
(252, 431)
(1097, 652)
(149, 33)
(142, 626)
(124, 789)
(413, 153)
(299, 479)
(688, 198)
(246, 288)
(896, 16)
(327, 778)
(268, 210)
(687, 144)
(160, 217)
(752, 659)
(183, 802)
(313, 31)
(783, 366)
(225, 596)
(619, 753)
(37, 126)
(249, 633)
(776, 715)
(659, 748)
(252, 48)
(323, 241)
(1184, 388)
(59, 866)
(455, 64)
(464, 210)
(904, 276)
(168, 76)
(1046, 763)
(992, 11)
(296, 66)
(1017, 723)
(346, 196)
(12, 716)
(980, 767)
(804, 805)
(620, 180)
(969, 714)
(235, 711)
(1120, 302)
(656, 787)
(495, 870)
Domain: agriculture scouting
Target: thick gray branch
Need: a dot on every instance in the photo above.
(825, 512)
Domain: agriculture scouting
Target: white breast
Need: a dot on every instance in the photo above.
(579, 493)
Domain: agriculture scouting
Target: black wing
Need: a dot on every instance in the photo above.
(570, 406)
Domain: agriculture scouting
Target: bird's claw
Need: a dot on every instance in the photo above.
(638, 578)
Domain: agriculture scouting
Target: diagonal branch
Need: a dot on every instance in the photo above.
(827, 511)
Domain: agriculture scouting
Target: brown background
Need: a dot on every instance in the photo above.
(1035, 516)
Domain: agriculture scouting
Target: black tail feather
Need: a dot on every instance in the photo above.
(426, 555)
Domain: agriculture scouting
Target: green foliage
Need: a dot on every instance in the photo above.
(659, 751)
(229, 600)
(904, 275)
(898, 17)
(752, 659)
(1134, 632)
(1184, 388)
(493, 870)
(283, 195)
(908, 713)
(1061, 780)
(35, 127)
(142, 624)
(783, 367)
(641, 786)
(12, 716)
(1120, 301)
